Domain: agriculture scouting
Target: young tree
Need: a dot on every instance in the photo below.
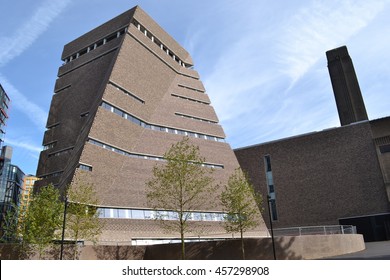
(9, 226)
(11, 233)
(41, 224)
(180, 185)
(82, 220)
(242, 205)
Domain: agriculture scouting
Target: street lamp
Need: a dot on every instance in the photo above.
(63, 227)
(270, 222)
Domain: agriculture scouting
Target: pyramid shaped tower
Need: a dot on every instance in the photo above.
(126, 92)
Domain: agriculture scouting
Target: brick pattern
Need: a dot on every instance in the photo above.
(320, 177)
(140, 67)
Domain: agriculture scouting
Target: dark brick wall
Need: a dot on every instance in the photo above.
(66, 108)
(98, 33)
(320, 177)
(381, 133)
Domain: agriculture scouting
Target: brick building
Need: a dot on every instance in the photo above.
(126, 92)
(26, 192)
(339, 175)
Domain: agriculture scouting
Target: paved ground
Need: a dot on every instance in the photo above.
(373, 251)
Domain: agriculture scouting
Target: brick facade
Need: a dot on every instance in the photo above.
(134, 66)
(321, 177)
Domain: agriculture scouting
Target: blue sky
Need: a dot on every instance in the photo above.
(262, 62)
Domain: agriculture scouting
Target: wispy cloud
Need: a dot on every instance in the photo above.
(21, 40)
(321, 26)
(30, 30)
(252, 78)
(20, 102)
(25, 144)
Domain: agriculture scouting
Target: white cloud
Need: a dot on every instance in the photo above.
(321, 26)
(18, 101)
(21, 40)
(25, 144)
(30, 30)
(252, 78)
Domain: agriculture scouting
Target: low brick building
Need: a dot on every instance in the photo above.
(338, 175)
(321, 177)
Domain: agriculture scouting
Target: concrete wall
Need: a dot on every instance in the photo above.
(287, 248)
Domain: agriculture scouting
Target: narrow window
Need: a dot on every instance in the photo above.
(85, 167)
(84, 115)
(270, 188)
(49, 145)
(274, 213)
(384, 149)
(268, 163)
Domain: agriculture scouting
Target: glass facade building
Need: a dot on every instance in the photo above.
(4, 103)
(11, 180)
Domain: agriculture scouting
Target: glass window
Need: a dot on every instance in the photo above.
(98, 144)
(273, 210)
(270, 180)
(197, 216)
(108, 213)
(173, 215)
(85, 167)
(208, 217)
(221, 216)
(123, 213)
(112, 37)
(136, 121)
(214, 216)
(268, 163)
(115, 213)
(164, 215)
(149, 214)
(137, 214)
(101, 212)
(118, 112)
(84, 51)
(106, 106)
(189, 216)
(384, 149)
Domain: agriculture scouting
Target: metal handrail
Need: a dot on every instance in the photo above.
(315, 230)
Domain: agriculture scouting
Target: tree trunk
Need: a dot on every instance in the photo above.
(183, 249)
(75, 245)
(242, 245)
